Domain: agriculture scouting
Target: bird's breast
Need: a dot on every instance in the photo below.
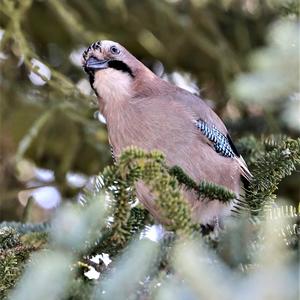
(149, 127)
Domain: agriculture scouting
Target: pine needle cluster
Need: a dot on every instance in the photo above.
(125, 220)
(272, 159)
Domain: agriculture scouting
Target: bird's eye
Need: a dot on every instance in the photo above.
(114, 50)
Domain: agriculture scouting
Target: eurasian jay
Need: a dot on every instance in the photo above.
(146, 111)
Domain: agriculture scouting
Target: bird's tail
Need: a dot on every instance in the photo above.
(246, 174)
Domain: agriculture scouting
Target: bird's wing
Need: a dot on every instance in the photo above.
(212, 127)
(223, 145)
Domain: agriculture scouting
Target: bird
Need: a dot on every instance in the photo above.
(145, 111)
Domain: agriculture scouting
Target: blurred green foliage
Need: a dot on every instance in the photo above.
(53, 126)
(233, 258)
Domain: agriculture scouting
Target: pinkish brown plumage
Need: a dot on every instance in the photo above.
(145, 111)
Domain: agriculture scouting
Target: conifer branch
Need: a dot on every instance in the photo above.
(23, 228)
(135, 164)
(269, 170)
(13, 255)
(207, 190)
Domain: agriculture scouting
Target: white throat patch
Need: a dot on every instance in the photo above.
(113, 85)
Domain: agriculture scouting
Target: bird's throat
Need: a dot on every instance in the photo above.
(112, 86)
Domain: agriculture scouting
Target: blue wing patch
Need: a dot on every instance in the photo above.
(220, 142)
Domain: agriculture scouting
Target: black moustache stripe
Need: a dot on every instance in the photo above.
(91, 75)
(119, 65)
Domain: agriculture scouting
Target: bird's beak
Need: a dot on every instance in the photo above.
(96, 64)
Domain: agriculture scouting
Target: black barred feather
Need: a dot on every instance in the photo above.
(220, 142)
(224, 146)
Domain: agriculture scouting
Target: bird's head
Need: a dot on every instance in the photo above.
(112, 70)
